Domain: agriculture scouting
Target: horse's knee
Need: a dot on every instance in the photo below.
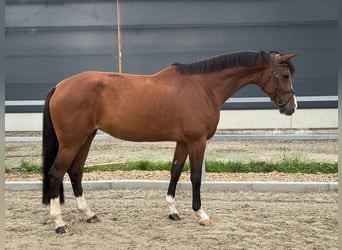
(196, 175)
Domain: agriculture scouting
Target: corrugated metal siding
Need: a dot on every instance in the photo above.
(47, 41)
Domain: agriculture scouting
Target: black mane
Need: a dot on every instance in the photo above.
(243, 58)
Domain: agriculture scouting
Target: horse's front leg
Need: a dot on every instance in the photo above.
(196, 155)
(179, 159)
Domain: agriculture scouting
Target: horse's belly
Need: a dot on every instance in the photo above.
(141, 132)
(140, 136)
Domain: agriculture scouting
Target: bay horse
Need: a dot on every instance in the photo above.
(180, 103)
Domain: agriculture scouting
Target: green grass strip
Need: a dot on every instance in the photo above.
(285, 166)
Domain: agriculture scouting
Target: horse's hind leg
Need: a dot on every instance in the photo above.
(179, 159)
(62, 162)
(75, 173)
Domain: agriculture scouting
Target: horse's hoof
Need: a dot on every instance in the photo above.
(174, 217)
(206, 222)
(63, 230)
(93, 219)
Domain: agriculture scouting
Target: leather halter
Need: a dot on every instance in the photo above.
(277, 96)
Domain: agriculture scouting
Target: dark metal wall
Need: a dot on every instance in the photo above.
(49, 40)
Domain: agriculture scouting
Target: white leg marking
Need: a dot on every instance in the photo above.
(55, 212)
(172, 204)
(203, 216)
(83, 207)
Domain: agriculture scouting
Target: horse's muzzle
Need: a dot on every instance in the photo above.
(289, 107)
(286, 111)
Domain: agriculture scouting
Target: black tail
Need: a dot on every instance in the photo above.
(50, 150)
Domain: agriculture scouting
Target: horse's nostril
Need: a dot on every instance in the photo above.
(292, 111)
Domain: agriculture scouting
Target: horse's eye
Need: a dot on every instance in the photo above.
(285, 76)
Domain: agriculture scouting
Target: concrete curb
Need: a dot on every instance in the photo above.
(256, 186)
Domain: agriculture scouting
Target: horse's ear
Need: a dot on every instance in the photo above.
(287, 57)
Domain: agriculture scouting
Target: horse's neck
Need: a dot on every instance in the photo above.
(226, 83)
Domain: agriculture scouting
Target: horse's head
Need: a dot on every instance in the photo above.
(277, 83)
